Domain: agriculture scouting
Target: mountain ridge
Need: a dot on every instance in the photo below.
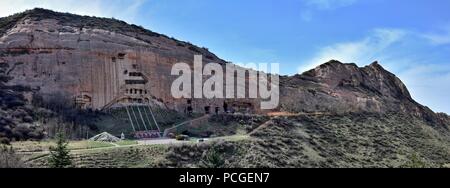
(93, 22)
(333, 86)
(335, 115)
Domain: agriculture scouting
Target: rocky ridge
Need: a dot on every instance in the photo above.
(54, 53)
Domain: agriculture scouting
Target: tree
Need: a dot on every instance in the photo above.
(60, 155)
(8, 158)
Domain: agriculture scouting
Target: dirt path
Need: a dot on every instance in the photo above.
(159, 142)
(289, 114)
(262, 126)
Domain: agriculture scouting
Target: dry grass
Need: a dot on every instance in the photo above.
(352, 140)
(42, 146)
(311, 141)
(115, 157)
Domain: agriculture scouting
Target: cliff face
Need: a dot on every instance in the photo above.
(99, 62)
(96, 61)
(17, 116)
(335, 87)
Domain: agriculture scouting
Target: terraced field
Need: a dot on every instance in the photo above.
(114, 157)
(126, 154)
(320, 140)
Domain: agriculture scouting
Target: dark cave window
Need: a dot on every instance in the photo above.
(122, 55)
(135, 82)
(207, 109)
(135, 74)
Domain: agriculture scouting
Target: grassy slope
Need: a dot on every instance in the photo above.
(224, 125)
(33, 146)
(352, 140)
(115, 157)
(330, 141)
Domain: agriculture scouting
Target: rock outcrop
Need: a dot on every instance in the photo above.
(336, 115)
(335, 87)
(99, 62)
(95, 61)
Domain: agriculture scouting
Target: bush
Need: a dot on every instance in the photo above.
(194, 49)
(16, 117)
(62, 107)
(4, 140)
(212, 159)
(182, 137)
(415, 161)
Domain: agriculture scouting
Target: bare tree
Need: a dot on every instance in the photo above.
(9, 159)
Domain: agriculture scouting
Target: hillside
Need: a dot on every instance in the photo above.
(303, 141)
(86, 57)
(17, 115)
(313, 141)
(336, 115)
(88, 22)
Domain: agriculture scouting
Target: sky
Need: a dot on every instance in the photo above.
(409, 38)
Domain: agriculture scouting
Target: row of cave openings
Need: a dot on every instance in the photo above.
(136, 91)
(228, 107)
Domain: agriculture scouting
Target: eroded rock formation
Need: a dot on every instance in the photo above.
(96, 64)
(102, 62)
(346, 88)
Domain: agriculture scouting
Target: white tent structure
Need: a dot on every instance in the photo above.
(105, 137)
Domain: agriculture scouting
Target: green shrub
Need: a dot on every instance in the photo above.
(60, 155)
(415, 161)
(212, 159)
(182, 137)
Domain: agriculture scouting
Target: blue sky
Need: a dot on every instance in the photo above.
(411, 38)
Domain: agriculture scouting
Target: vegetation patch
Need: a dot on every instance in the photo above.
(351, 140)
(116, 157)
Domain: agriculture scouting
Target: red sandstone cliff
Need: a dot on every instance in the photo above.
(99, 61)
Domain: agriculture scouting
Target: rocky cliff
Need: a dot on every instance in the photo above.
(99, 62)
(336, 115)
(335, 87)
(96, 61)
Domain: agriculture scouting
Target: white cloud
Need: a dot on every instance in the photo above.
(313, 6)
(329, 4)
(425, 76)
(440, 38)
(121, 9)
(366, 50)
(428, 83)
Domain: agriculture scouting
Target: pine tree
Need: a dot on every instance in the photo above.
(60, 155)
